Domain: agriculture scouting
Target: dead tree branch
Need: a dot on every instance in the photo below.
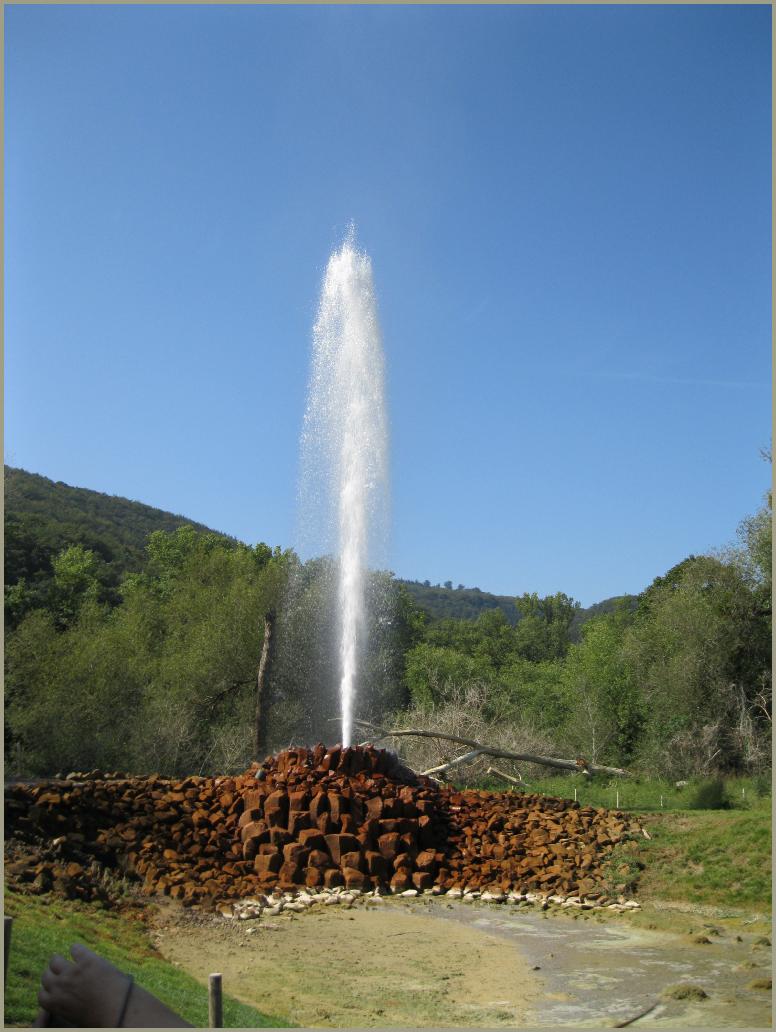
(506, 777)
(546, 761)
(466, 758)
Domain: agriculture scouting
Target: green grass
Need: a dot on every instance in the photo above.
(711, 857)
(641, 794)
(44, 925)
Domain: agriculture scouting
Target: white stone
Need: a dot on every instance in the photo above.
(493, 897)
(437, 890)
(409, 893)
(296, 907)
(454, 893)
(274, 910)
(331, 899)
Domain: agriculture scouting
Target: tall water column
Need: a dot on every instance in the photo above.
(345, 447)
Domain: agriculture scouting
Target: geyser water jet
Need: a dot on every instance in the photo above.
(345, 445)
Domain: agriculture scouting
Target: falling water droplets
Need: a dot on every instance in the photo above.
(345, 446)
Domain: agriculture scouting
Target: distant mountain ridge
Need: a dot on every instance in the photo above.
(442, 602)
(43, 516)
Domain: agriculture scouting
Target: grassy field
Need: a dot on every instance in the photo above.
(44, 925)
(708, 857)
(648, 795)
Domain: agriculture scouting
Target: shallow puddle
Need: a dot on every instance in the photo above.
(598, 974)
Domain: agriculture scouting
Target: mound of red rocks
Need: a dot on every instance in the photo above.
(310, 819)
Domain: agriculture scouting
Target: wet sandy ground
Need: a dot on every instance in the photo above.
(599, 973)
(431, 962)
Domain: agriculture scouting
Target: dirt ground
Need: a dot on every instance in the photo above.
(417, 963)
(358, 967)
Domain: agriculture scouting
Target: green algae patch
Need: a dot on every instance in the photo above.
(685, 991)
(760, 983)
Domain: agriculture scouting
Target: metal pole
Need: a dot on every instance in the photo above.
(215, 1004)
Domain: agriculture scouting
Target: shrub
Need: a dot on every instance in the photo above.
(710, 795)
(763, 784)
(621, 870)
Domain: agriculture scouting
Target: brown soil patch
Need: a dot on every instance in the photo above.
(366, 967)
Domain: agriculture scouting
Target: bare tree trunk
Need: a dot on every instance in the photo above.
(262, 680)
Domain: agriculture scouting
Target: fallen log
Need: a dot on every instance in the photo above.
(506, 777)
(466, 758)
(487, 750)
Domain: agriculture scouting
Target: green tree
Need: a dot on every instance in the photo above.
(543, 632)
(605, 707)
(698, 649)
(433, 671)
(76, 581)
(164, 681)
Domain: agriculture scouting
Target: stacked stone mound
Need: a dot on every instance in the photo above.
(313, 818)
(529, 843)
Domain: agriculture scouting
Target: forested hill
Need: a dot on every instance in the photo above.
(443, 602)
(42, 517)
(446, 602)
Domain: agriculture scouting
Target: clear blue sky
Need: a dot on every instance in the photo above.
(568, 213)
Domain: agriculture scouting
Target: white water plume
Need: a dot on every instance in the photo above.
(345, 446)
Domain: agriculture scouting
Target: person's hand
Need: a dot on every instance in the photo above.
(86, 992)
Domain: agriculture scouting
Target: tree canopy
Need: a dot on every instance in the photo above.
(149, 662)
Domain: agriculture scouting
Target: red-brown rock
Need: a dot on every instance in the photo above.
(339, 844)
